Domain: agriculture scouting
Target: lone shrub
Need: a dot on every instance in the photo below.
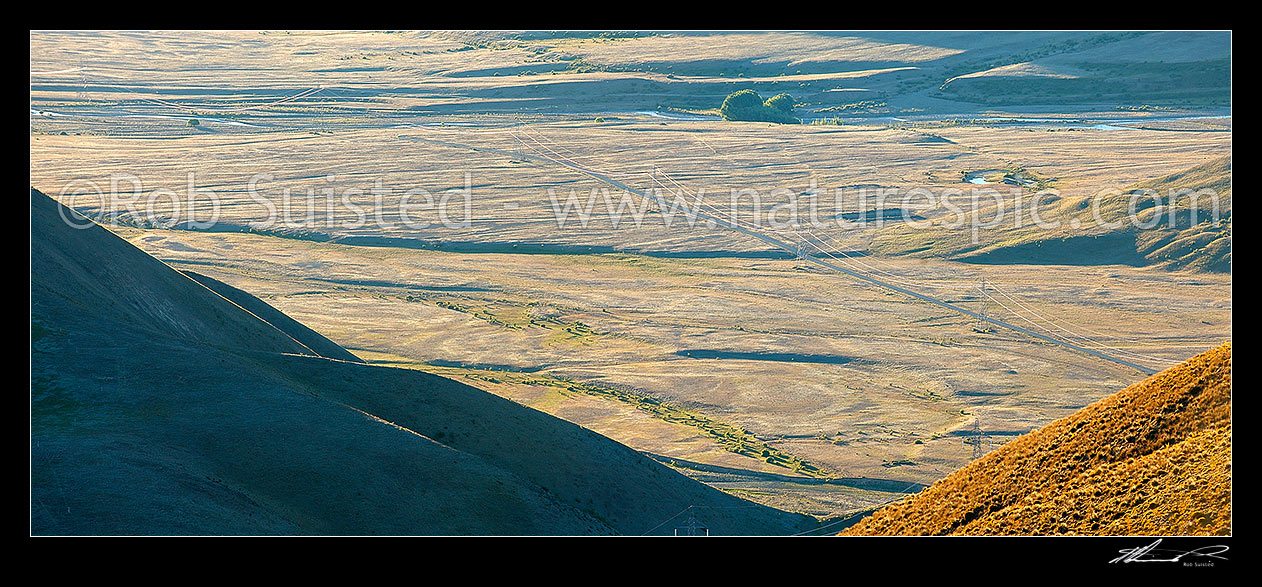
(746, 105)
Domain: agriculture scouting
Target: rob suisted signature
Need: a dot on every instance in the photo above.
(1152, 554)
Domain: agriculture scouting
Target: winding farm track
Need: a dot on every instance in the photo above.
(541, 157)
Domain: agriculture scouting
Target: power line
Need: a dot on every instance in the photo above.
(734, 225)
(1063, 340)
(664, 522)
(852, 261)
(1079, 336)
(787, 247)
(985, 298)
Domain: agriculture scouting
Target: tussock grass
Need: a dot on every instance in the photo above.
(1152, 459)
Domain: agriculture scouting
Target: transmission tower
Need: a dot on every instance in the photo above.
(691, 527)
(983, 323)
(979, 437)
(82, 94)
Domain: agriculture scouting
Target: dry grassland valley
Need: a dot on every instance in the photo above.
(470, 283)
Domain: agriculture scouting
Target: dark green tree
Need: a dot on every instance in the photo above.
(747, 105)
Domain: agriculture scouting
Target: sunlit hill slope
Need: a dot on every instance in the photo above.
(1152, 459)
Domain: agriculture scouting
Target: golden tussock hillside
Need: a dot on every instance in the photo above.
(1152, 459)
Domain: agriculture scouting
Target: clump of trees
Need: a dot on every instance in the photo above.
(746, 105)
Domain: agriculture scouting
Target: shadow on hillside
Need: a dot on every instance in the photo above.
(1111, 249)
(765, 356)
(887, 485)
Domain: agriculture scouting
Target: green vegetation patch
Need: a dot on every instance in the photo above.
(747, 106)
(731, 437)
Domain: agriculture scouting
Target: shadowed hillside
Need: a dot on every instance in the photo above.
(160, 407)
(1190, 230)
(1157, 67)
(295, 329)
(103, 277)
(1183, 237)
(1152, 459)
(1192, 243)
